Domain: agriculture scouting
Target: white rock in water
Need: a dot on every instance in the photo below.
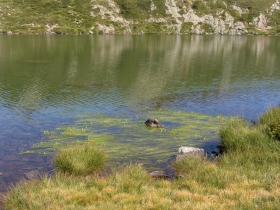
(189, 151)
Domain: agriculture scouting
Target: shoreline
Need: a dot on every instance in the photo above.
(240, 171)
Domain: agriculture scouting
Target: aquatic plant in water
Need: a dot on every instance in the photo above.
(128, 138)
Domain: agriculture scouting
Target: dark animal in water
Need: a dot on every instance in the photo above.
(152, 122)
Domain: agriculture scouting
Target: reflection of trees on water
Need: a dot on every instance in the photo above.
(138, 68)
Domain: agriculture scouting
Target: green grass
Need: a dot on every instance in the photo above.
(207, 28)
(270, 116)
(246, 176)
(271, 123)
(132, 9)
(83, 160)
(186, 28)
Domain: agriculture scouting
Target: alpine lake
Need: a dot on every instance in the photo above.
(58, 91)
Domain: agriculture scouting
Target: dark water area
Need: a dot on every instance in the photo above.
(47, 81)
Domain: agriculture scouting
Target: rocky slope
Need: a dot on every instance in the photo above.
(140, 17)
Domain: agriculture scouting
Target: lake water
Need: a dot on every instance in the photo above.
(49, 83)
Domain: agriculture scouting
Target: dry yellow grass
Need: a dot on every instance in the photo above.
(112, 192)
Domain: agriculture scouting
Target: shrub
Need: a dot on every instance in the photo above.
(271, 116)
(186, 27)
(207, 28)
(83, 160)
(274, 130)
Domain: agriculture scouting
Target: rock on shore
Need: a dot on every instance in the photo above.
(189, 151)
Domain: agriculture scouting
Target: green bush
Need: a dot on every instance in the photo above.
(207, 28)
(134, 8)
(274, 130)
(270, 116)
(83, 160)
(186, 27)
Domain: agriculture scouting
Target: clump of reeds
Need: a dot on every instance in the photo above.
(82, 160)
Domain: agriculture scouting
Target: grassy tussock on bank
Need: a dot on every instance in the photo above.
(83, 160)
(246, 176)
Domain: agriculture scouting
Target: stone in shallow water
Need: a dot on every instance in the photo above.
(153, 122)
(32, 175)
(189, 151)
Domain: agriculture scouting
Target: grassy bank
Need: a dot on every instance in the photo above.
(246, 176)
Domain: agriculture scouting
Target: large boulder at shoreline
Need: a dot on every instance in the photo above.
(189, 151)
(153, 122)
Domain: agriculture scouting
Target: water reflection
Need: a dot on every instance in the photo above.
(47, 81)
(153, 65)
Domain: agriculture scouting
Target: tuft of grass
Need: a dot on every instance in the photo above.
(207, 28)
(270, 116)
(83, 160)
(130, 178)
(186, 28)
(238, 136)
(201, 171)
(274, 130)
(271, 122)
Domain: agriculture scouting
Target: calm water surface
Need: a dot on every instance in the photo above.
(46, 81)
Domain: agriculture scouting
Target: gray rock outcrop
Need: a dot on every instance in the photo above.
(189, 151)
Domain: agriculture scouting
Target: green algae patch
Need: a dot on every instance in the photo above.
(127, 138)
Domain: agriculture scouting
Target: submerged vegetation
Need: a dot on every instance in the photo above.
(129, 139)
(245, 176)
